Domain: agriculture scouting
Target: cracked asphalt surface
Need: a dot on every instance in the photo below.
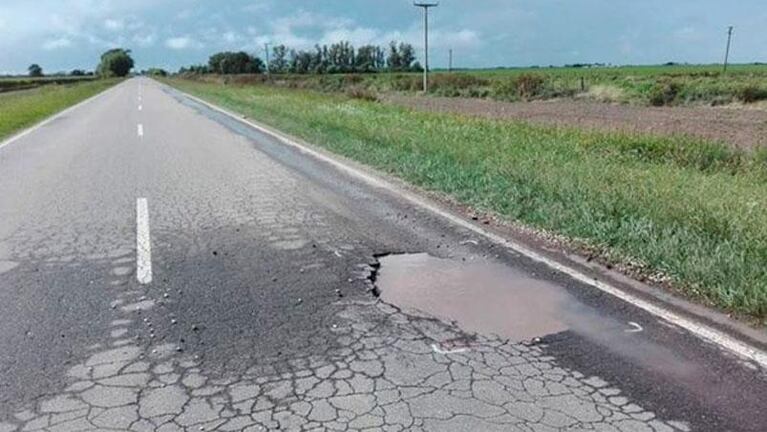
(261, 314)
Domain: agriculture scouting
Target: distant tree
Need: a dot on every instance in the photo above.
(228, 62)
(340, 56)
(35, 70)
(366, 59)
(115, 62)
(392, 59)
(279, 62)
(77, 72)
(401, 57)
(406, 56)
(194, 69)
(301, 61)
(156, 72)
(321, 63)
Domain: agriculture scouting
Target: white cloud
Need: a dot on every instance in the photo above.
(465, 38)
(56, 43)
(303, 20)
(144, 40)
(113, 24)
(180, 43)
(184, 14)
(257, 7)
(356, 36)
(230, 36)
(688, 34)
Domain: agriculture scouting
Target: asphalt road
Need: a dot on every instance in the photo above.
(164, 267)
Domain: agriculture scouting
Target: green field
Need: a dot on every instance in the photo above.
(683, 210)
(641, 85)
(24, 82)
(23, 108)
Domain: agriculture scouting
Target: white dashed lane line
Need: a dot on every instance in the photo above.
(143, 243)
(140, 130)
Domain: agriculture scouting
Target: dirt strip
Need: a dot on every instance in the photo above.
(744, 128)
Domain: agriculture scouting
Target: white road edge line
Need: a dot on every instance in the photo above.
(37, 126)
(143, 243)
(702, 331)
(140, 130)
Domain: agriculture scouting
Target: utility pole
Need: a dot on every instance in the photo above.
(450, 61)
(727, 52)
(266, 50)
(426, 7)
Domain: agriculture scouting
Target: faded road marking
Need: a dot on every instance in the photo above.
(635, 328)
(439, 350)
(143, 243)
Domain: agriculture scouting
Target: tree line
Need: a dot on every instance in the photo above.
(340, 57)
(116, 62)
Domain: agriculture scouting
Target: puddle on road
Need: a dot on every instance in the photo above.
(481, 297)
(494, 299)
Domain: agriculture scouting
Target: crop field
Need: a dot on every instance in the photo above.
(20, 109)
(639, 85)
(686, 212)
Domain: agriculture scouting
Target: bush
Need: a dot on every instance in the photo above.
(760, 156)
(607, 93)
(751, 94)
(244, 79)
(359, 92)
(664, 93)
(402, 82)
(529, 86)
(455, 84)
(505, 89)
(352, 79)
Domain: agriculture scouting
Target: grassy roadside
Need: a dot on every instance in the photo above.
(24, 108)
(691, 211)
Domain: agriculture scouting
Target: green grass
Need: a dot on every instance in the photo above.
(12, 83)
(21, 109)
(640, 85)
(693, 210)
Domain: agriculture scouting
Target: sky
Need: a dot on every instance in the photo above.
(62, 35)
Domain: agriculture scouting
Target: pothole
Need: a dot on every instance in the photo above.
(481, 297)
(498, 300)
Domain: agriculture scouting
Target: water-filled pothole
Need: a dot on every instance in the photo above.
(495, 299)
(480, 297)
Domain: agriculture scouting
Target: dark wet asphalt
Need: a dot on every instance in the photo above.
(260, 313)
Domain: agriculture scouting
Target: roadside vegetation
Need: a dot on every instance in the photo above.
(22, 109)
(25, 101)
(670, 85)
(337, 58)
(679, 211)
(8, 84)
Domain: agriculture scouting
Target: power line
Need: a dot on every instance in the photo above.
(727, 52)
(426, 7)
